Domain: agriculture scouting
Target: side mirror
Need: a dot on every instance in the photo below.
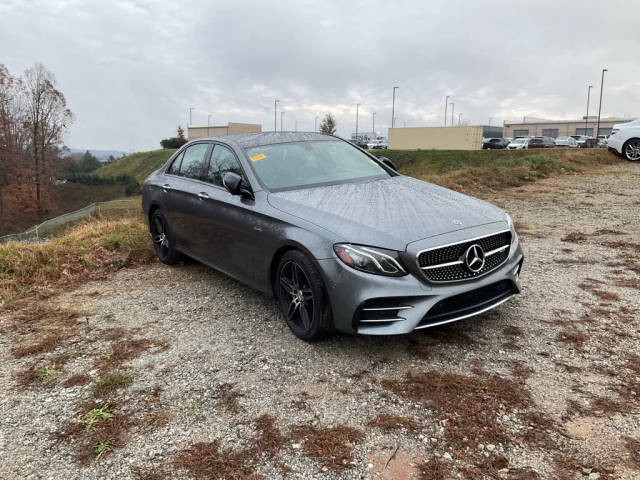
(388, 163)
(236, 185)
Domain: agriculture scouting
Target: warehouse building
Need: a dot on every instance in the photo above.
(201, 131)
(560, 128)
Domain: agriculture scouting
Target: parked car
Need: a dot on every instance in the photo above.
(379, 144)
(566, 142)
(602, 140)
(518, 144)
(340, 238)
(541, 142)
(494, 143)
(625, 140)
(360, 143)
(584, 141)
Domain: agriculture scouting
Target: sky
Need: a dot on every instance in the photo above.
(131, 70)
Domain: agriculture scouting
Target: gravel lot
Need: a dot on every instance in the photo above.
(545, 386)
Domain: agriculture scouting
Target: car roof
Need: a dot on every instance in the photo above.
(257, 139)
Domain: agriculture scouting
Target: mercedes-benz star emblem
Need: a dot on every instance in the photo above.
(474, 258)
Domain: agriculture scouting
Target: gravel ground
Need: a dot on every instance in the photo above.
(545, 386)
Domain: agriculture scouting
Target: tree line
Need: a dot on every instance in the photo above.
(33, 119)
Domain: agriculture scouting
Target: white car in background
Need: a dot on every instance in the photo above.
(625, 140)
(566, 142)
(518, 144)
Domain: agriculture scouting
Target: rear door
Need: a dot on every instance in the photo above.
(181, 193)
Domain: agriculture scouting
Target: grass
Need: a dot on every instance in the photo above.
(96, 415)
(477, 171)
(110, 383)
(138, 165)
(87, 250)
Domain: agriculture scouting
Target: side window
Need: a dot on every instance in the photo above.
(174, 168)
(193, 160)
(222, 161)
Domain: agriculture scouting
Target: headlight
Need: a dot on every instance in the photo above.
(372, 260)
(514, 235)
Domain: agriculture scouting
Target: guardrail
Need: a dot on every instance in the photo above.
(48, 226)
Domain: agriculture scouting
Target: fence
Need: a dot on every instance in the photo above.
(49, 226)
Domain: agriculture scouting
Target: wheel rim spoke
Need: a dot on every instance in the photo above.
(293, 306)
(286, 284)
(304, 316)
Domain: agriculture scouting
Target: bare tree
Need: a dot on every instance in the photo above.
(328, 124)
(47, 119)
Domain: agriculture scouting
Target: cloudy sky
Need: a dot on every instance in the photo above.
(132, 69)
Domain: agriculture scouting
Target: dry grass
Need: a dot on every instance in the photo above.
(467, 406)
(633, 448)
(389, 423)
(128, 349)
(206, 461)
(270, 441)
(85, 251)
(434, 469)
(574, 237)
(575, 337)
(109, 383)
(228, 398)
(332, 446)
(76, 380)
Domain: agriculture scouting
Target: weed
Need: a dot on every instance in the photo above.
(46, 372)
(333, 446)
(102, 448)
(390, 423)
(110, 383)
(96, 415)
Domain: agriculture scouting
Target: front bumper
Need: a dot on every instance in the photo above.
(378, 305)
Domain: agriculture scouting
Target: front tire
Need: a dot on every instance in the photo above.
(163, 242)
(302, 297)
(631, 149)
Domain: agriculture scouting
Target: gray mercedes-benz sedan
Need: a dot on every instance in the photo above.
(340, 238)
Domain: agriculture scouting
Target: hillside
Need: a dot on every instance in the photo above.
(138, 165)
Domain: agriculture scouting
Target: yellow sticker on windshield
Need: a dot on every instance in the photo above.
(257, 157)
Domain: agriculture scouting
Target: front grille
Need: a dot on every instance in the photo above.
(452, 256)
(468, 303)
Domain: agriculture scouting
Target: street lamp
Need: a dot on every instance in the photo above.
(393, 108)
(191, 109)
(446, 106)
(586, 118)
(275, 115)
(315, 124)
(600, 106)
(490, 118)
(281, 120)
(459, 115)
(357, 109)
(373, 123)
(452, 107)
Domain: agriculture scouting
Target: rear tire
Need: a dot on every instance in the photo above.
(302, 297)
(631, 150)
(163, 242)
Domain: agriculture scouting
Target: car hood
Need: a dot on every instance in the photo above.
(387, 213)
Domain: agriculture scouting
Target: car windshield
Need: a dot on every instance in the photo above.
(519, 140)
(299, 164)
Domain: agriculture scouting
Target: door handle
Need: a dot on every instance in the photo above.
(203, 196)
(166, 187)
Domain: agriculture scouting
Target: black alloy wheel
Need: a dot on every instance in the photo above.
(302, 297)
(162, 242)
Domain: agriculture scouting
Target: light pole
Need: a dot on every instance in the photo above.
(191, 109)
(452, 107)
(446, 106)
(275, 115)
(490, 118)
(393, 108)
(357, 111)
(296, 127)
(315, 124)
(281, 120)
(373, 123)
(600, 106)
(586, 118)
(459, 115)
